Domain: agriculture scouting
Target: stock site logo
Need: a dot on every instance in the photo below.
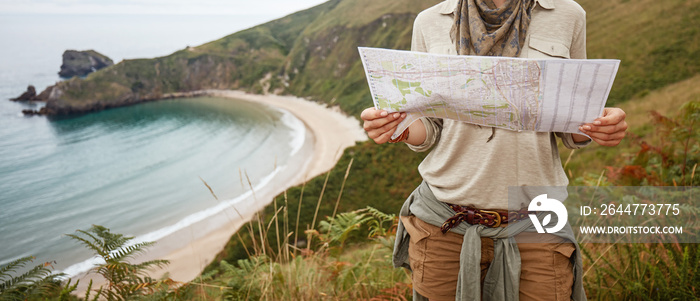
(542, 203)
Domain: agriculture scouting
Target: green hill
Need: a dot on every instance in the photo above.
(658, 42)
(313, 54)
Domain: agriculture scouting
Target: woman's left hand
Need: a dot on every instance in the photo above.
(609, 129)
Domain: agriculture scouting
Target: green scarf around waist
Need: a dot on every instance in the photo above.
(503, 277)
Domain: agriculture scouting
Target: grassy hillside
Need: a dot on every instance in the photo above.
(658, 42)
(313, 54)
(591, 161)
(659, 46)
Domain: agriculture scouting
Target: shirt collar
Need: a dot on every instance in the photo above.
(546, 4)
(448, 7)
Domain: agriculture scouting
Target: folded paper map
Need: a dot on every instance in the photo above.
(542, 95)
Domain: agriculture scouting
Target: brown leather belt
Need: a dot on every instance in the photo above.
(488, 218)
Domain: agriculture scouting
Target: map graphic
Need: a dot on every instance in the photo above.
(543, 95)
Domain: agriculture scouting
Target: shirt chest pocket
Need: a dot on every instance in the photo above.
(549, 48)
(442, 47)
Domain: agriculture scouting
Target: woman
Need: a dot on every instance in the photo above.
(469, 168)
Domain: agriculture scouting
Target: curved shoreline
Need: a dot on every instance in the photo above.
(333, 129)
(330, 131)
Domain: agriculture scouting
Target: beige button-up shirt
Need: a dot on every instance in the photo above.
(462, 167)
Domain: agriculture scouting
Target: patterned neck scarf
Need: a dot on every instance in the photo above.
(481, 28)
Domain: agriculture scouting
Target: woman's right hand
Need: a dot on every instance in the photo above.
(380, 125)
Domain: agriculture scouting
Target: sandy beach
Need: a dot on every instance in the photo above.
(331, 132)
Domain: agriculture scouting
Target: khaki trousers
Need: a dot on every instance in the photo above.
(546, 267)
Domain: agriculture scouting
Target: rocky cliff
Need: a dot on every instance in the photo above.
(81, 63)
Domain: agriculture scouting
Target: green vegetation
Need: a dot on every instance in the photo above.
(332, 270)
(288, 252)
(280, 257)
(613, 271)
(37, 283)
(651, 271)
(646, 130)
(123, 280)
(658, 42)
(368, 184)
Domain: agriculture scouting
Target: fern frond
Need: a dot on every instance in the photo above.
(207, 276)
(124, 279)
(105, 237)
(339, 228)
(159, 263)
(46, 286)
(141, 286)
(71, 288)
(128, 251)
(380, 215)
(114, 295)
(87, 292)
(98, 293)
(689, 208)
(108, 240)
(32, 276)
(95, 248)
(227, 267)
(68, 289)
(14, 265)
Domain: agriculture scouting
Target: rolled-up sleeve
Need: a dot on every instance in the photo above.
(569, 142)
(433, 128)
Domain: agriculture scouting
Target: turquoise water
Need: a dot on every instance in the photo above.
(135, 170)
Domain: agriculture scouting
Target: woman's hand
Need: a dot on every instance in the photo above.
(609, 129)
(380, 125)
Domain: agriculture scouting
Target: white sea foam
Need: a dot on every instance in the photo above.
(84, 266)
(298, 130)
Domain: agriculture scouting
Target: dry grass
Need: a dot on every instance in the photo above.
(327, 268)
(666, 101)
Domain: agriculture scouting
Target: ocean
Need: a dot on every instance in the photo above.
(138, 170)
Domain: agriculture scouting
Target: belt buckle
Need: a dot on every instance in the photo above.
(497, 218)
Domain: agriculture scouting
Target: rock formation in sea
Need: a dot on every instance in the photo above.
(81, 63)
(29, 95)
